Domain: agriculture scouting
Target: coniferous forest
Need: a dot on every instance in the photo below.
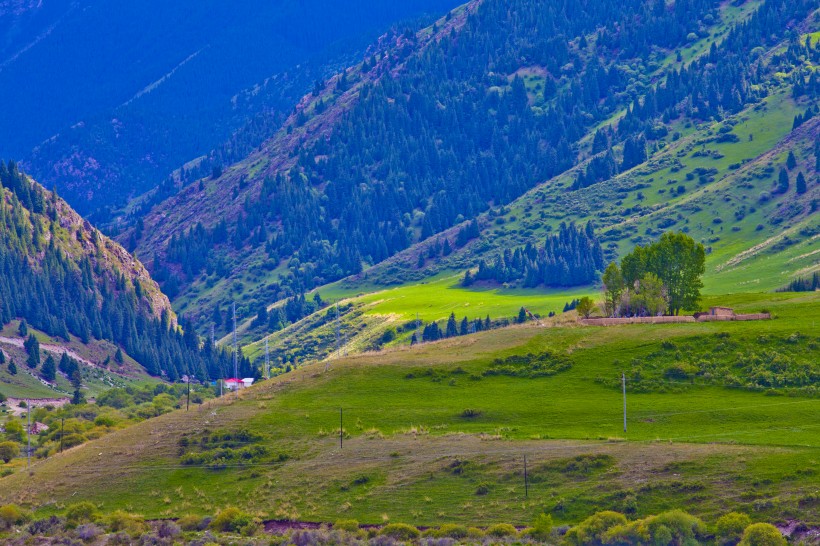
(456, 130)
(572, 257)
(63, 294)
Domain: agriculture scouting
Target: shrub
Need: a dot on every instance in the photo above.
(232, 520)
(81, 512)
(121, 521)
(349, 525)
(500, 530)
(482, 489)
(729, 528)
(762, 534)
(10, 515)
(451, 530)
(8, 451)
(541, 527)
(400, 531)
(592, 529)
(168, 529)
(680, 525)
(43, 527)
(191, 523)
(88, 532)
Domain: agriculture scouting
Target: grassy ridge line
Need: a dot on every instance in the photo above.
(405, 434)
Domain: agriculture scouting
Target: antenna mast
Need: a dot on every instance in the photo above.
(235, 348)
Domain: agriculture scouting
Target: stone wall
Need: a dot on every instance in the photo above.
(671, 320)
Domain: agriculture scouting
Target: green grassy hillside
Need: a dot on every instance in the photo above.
(438, 432)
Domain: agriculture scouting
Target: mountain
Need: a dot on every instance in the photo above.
(67, 280)
(634, 115)
(116, 95)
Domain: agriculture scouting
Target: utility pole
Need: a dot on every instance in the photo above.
(62, 433)
(188, 402)
(235, 348)
(267, 360)
(213, 341)
(526, 481)
(341, 429)
(28, 435)
(623, 383)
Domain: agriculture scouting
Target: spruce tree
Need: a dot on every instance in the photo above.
(452, 326)
(783, 181)
(800, 184)
(49, 370)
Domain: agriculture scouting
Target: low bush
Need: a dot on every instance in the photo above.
(191, 523)
(120, 521)
(762, 534)
(500, 530)
(729, 528)
(400, 531)
(450, 530)
(11, 515)
(593, 529)
(81, 512)
(233, 520)
(348, 525)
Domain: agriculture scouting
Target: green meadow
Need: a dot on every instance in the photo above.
(436, 433)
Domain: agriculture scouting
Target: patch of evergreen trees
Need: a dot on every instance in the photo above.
(572, 257)
(61, 294)
(803, 284)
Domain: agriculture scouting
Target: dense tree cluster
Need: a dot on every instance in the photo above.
(62, 294)
(664, 276)
(571, 257)
(803, 284)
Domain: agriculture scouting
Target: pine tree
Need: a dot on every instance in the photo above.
(452, 326)
(32, 347)
(49, 370)
(800, 184)
(118, 358)
(783, 181)
(522, 316)
(12, 368)
(465, 327)
(791, 161)
(23, 328)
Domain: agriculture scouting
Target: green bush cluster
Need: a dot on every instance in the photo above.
(530, 365)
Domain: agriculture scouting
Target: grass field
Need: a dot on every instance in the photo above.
(413, 453)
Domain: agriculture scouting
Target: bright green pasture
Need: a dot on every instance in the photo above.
(412, 453)
(435, 300)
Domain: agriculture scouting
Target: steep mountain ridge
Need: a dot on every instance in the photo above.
(443, 139)
(66, 279)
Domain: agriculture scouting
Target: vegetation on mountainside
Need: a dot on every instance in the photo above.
(709, 176)
(453, 131)
(572, 257)
(420, 450)
(66, 279)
